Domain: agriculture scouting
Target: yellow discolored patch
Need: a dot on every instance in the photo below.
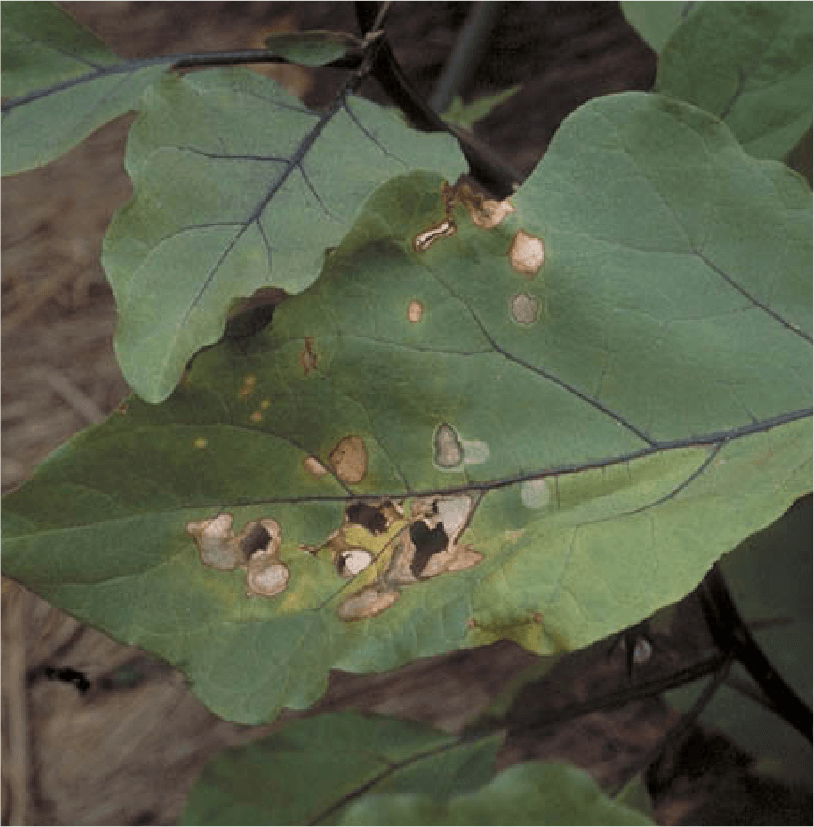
(349, 459)
(415, 311)
(525, 309)
(308, 356)
(527, 254)
(265, 404)
(314, 467)
(201, 442)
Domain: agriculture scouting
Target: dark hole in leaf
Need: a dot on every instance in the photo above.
(367, 516)
(427, 541)
(68, 675)
(256, 539)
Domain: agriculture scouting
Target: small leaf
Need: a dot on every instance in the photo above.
(749, 64)
(551, 481)
(529, 793)
(468, 114)
(314, 48)
(60, 83)
(312, 769)
(238, 186)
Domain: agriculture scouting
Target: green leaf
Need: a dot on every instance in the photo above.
(468, 114)
(656, 21)
(310, 770)
(312, 48)
(60, 83)
(238, 186)
(770, 578)
(530, 793)
(749, 64)
(558, 443)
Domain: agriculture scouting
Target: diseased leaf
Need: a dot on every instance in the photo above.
(530, 793)
(238, 186)
(312, 769)
(749, 64)
(60, 83)
(312, 48)
(484, 421)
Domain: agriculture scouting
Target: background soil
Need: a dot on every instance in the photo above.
(128, 750)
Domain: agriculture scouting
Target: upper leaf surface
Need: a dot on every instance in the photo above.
(557, 440)
(63, 83)
(529, 793)
(312, 769)
(655, 22)
(315, 48)
(749, 64)
(238, 186)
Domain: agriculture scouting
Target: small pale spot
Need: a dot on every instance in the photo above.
(314, 467)
(256, 417)
(475, 451)
(201, 442)
(535, 493)
(423, 241)
(349, 459)
(525, 309)
(367, 603)
(266, 576)
(449, 452)
(249, 384)
(526, 254)
(642, 650)
(217, 544)
(453, 513)
(265, 404)
(121, 408)
(351, 562)
(537, 617)
(415, 311)
(489, 214)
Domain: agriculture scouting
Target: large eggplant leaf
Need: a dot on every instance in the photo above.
(748, 63)
(311, 770)
(545, 430)
(238, 186)
(347, 768)
(60, 83)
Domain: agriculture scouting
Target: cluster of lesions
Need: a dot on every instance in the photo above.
(525, 254)
(418, 540)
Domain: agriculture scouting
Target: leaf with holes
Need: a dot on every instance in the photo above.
(541, 420)
(60, 83)
(238, 187)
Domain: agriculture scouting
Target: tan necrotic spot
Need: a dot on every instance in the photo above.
(525, 309)
(535, 493)
(349, 459)
(249, 385)
(308, 356)
(217, 544)
(423, 241)
(256, 417)
(367, 603)
(415, 311)
(527, 254)
(314, 467)
(448, 451)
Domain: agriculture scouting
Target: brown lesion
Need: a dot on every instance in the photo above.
(256, 550)
(526, 254)
(309, 358)
(349, 459)
(426, 547)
